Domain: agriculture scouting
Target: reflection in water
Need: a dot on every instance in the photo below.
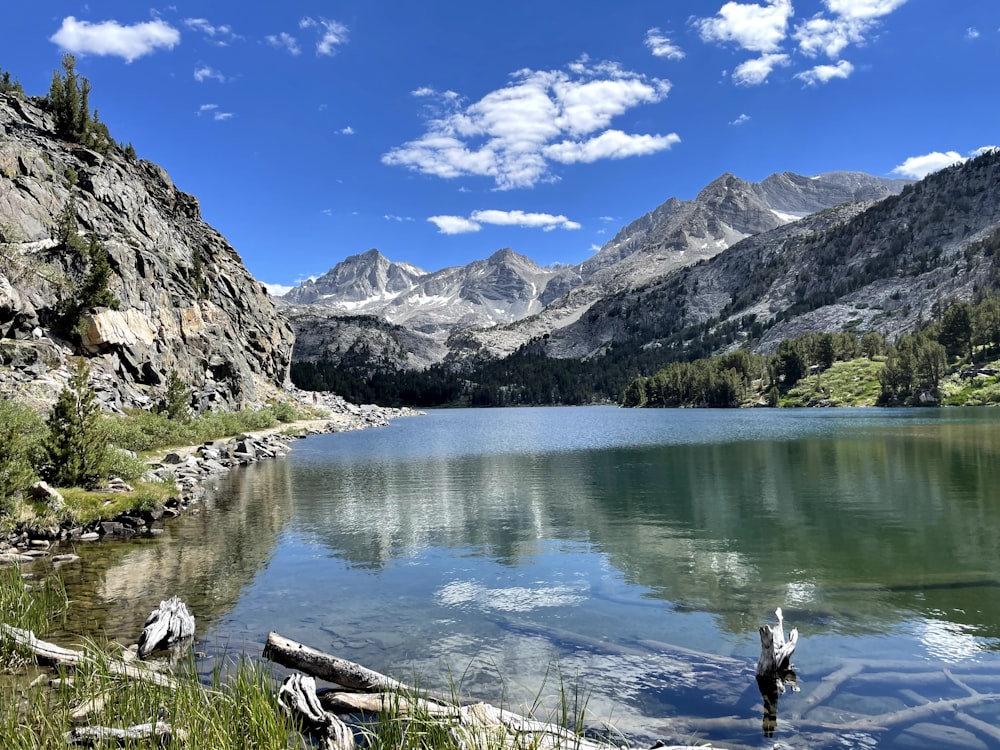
(494, 545)
(206, 557)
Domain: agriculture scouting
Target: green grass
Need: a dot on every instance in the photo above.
(144, 432)
(851, 383)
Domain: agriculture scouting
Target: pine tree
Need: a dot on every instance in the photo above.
(94, 290)
(76, 447)
(176, 403)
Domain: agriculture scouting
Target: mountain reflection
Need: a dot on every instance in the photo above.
(206, 557)
(852, 527)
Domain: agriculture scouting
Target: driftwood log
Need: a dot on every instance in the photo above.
(167, 625)
(50, 653)
(160, 732)
(479, 725)
(297, 696)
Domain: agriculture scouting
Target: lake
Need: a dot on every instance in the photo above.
(625, 558)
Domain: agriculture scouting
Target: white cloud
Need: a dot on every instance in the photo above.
(217, 114)
(276, 290)
(863, 10)
(111, 38)
(611, 144)
(224, 32)
(392, 217)
(523, 219)
(513, 133)
(346, 131)
(661, 46)
(527, 220)
(454, 224)
(741, 119)
(332, 34)
(284, 41)
(754, 27)
(972, 33)
(825, 73)
(853, 21)
(917, 167)
(754, 72)
(204, 72)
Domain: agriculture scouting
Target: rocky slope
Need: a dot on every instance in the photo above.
(877, 266)
(420, 309)
(186, 302)
(493, 307)
(675, 235)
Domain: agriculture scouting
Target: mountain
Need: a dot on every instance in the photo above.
(494, 306)
(678, 234)
(431, 306)
(359, 281)
(888, 265)
(102, 256)
(882, 266)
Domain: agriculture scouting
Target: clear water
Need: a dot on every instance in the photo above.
(629, 556)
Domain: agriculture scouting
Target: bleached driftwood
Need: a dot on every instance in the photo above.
(297, 696)
(775, 651)
(159, 731)
(50, 653)
(169, 624)
(479, 725)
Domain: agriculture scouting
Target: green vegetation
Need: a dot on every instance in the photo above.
(69, 101)
(21, 432)
(10, 85)
(78, 448)
(237, 709)
(934, 365)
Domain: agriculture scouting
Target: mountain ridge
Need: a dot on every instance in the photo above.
(470, 313)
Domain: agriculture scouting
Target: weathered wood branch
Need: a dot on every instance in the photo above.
(94, 736)
(337, 701)
(169, 624)
(297, 696)
(479, 725)
(296, 655)
(50, 653)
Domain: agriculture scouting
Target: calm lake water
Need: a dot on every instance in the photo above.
(623, 555)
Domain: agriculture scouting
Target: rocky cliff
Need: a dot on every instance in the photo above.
(185, 302)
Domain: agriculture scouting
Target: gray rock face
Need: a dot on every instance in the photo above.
(879, 266)
(421, 309)
(366, 278)
(492, 307)
(186, 301)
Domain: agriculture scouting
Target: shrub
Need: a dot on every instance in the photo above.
(77, 444)
(21, 432)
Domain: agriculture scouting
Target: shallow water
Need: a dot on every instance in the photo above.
(630, 555)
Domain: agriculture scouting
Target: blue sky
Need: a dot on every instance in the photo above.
(440, 131)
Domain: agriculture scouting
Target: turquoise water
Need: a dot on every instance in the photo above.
(629, 554)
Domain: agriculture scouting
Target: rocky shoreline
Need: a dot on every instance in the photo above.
(189, 467)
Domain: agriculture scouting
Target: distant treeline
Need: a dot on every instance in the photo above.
(914, 365)
(911, 370)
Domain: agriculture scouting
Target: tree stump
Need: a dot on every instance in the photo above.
(164, 627)
(775, 651)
